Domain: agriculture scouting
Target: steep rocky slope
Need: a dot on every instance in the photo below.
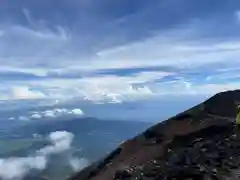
(200, 143)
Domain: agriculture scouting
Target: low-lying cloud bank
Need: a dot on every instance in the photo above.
(16, 168)
(50, 114)
(56, 113)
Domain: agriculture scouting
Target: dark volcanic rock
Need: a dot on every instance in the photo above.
(200, 143)
(223, 104)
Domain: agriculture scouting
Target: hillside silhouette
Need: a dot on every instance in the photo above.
(200, 143)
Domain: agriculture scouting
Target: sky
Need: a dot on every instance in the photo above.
(116, 51)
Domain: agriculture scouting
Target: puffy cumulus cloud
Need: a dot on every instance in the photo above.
(76, 112)
(119, 96)
(78, 163)
(17, 168)
(50, 114)
(61, 141)
(24, 92)
(107, 88)
(116, 92)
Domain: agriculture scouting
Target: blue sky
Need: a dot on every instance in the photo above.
(118, 50)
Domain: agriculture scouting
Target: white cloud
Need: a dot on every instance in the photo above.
(17, 168)
(56, 112)
(61, 141)
(11, 118)
(107, 88)
(36, 116)
(78, 163)
(24, 92)
(78, 112)
(49, 113)
(115, 92)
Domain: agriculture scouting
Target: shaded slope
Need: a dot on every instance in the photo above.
(149, 151)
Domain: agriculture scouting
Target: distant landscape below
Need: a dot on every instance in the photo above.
(57, 150)
(43, 139)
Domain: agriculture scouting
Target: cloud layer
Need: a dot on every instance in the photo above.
(115, 52)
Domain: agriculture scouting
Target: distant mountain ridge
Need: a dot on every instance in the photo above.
(205, 127)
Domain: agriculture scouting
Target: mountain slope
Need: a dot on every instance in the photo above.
(199, 143)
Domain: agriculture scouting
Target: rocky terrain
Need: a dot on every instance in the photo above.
(200, 143)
